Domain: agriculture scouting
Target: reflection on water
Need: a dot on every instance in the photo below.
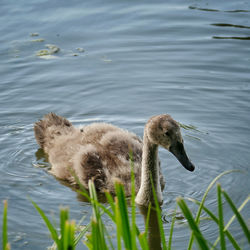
(154, 236)
(230, 25)
(202, 9)
(232, 37)
(216, 10)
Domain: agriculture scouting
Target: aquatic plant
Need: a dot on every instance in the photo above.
(128, 236)
(66, 238)
(5, 244)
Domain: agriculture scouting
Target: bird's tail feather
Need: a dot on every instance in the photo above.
(51, 126)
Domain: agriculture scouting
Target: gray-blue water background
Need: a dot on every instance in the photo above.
(122, 62)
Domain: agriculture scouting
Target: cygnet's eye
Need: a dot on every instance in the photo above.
(167, 133)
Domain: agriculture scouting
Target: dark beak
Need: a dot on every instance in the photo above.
(179, 152)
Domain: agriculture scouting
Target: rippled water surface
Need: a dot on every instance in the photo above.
(122, 62)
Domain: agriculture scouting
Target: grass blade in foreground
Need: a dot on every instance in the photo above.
(123, 211)
(51, 228)
(133, 206)
(197, 219)
(118, 225)
(238, 215)
(66, 240)
(171, 230)
(143, 241)
(98, 235)
(221, 220)
(82, 231)
(216, 220)
(231, 220)
(6, 245)
(202, 243)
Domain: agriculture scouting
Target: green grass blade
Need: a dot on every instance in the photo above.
(89, 239)
(72, 235)
(98, 204)
(143, 241)
(239, 210)
(109, 239)
(118, 224)
(202, 244)
(77, 180)
(216, 220)
(221, 218)
(63, 218)
(93, 200)
(133, 206)
(68, 235)
(171, 230)
(65, 236)
(81, 234)
(238, 216)
(5, 225)
(7, 247)
(232, 219)
(101, 206)
(49, 225)
(197, 218)
(125, 226)
(84, 194)
(142, 237)
(158, 212)
(95, 236)
(97, 227)
(105, 210)
(110, 201)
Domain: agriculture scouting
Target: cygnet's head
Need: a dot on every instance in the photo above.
(163, 130)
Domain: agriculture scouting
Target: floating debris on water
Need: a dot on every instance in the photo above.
(43, 52)
(53, 48)
(80, 50)
(191, 128)
(38, 40)
(188, 127)
(48, 57)
(105, 59)
(34, 34)
(19, 237)
(49, 52)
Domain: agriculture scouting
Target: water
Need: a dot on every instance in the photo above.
(186, 58)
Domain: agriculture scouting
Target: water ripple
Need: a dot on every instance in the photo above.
(217, 10)
(232, 37)
(230, 25)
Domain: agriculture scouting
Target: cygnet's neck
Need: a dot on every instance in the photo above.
(150, 166)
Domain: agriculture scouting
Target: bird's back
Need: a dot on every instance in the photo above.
(98, 151)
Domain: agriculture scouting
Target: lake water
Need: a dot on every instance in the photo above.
(122, 62)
